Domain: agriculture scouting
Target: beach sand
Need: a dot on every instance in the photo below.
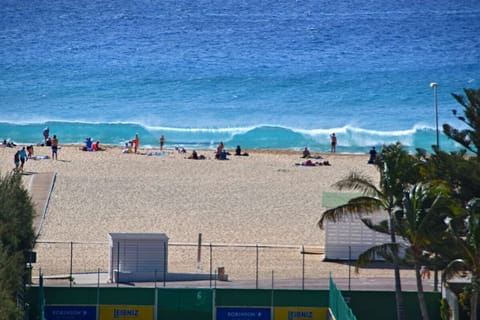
(262, 199)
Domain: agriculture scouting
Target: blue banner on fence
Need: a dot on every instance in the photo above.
(243, 313)
(70, 312)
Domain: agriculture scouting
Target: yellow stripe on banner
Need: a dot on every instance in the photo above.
(126, 312)
(300, 313)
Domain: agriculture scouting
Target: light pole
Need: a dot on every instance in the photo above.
(434, 86)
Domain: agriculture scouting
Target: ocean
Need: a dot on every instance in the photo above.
(262, 74)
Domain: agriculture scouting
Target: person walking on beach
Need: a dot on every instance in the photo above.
(16, 160)
(54, 147)
(162, 142)
(23, 157)
(333, 142)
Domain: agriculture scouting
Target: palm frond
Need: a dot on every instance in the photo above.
(382, 226)
(354, 208)
(358, 182)
(385, 251)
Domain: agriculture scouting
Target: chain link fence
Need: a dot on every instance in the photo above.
(66, 262)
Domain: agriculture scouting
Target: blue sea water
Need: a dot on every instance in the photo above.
(265, 74)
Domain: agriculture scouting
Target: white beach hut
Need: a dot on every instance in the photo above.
(346, 240)
(137, 257)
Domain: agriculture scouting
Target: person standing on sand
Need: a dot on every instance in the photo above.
(333, 142)
(373, 156)
(46, 133)
(162, 142)
(54, 147)
(136, 143)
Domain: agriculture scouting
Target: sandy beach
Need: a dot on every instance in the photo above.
(261, 199)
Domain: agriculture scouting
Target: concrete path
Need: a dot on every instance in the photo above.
(40, 188)
(344, 284)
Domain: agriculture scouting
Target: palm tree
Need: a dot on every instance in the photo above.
(467, 236)
(421, 222)
(396, 168)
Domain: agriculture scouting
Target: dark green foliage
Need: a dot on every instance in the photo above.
(469, 137)
(461, 173)
(16, 241)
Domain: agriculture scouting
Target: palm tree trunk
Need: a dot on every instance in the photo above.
(396, 268)
(474, 297)
(420, 294)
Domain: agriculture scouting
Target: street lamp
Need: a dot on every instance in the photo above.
(434, 86)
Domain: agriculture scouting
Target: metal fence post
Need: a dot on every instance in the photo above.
(303, 267)
(71, 263)
(164, 264)
(211, 264)
(118, 263)
(256, 269)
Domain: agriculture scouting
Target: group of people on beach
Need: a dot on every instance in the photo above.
(132, 146)
(8, 144)
(333, 146)
(26, 152)
(91, 146)
(220, 154)
(21, 156)
(51, 142)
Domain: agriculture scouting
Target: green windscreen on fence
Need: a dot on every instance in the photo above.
(335, 199)
(338, 306)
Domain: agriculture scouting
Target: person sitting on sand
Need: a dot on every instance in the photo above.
(223, 155)
(306, 153)
(96, 146)
(127, 148)
(194, 155)
(238, 152)
(220, 149)
(88, 145)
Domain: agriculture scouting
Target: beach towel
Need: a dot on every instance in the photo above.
(40, 157)
(158, 154)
